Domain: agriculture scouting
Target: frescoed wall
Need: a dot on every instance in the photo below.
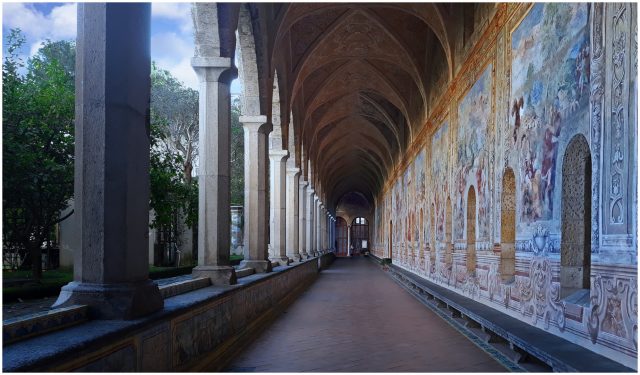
(549, 101)
(474, 118)
(439, 170)
(540, 77)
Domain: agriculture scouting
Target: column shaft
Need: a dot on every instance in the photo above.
(302, 226)
(256, 130)
(318, 226)
(214, 209)
(349, 239)
(112, 163)
(278, 159)
(310, 221)
(292, 235)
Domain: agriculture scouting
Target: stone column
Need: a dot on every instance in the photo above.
(310, 216)
(214, 210)
(278, 159)
(302, 226)
(325, 217)
(291, 228)
(348, 239)
(333, 228)
(256, 130)
(318, 225)
(111, 273)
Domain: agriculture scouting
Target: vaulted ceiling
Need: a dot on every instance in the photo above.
(356, 79)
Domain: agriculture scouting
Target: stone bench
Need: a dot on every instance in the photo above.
(556, 352)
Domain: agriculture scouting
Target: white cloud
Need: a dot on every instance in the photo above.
(35, 47)
(181, 69)
(59, 24)
(180, 12)
(170, 45)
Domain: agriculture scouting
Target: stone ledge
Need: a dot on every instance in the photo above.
(559, 354)
(97, 343)
(180, 287)
(27, 326)
(245, 272)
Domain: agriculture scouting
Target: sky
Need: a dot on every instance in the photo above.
(171, 32)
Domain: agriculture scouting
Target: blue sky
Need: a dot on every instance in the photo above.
(171, 31)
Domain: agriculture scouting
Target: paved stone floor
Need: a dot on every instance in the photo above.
(354, 318)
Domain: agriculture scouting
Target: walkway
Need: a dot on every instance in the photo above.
(355, 318)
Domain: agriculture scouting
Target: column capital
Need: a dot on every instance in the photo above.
(303, 183)
(214, 69)
(311, 191)
(278, 155)
(256, 123)
(293, 171)
(316, 198)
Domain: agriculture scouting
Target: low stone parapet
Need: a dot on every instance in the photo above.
(200, 330)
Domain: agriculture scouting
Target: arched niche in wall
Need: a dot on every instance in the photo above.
(471, 230)
(508, 226)
(575, 246)
(432, 243)
(390, 239)
(421, 234)
(448, 246)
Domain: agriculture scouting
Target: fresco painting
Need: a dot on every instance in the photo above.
(545, 102)
(549, 96)
(474, 116)
(439, 168)
(418, 192)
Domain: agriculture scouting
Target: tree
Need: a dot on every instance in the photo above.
(177, 107)
(237, 155)
(174, 148)
(38, 146)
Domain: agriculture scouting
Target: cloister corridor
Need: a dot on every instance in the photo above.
(341, 324)
(426, 187)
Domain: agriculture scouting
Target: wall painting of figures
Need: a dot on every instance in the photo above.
(472, 154)
(549, 101)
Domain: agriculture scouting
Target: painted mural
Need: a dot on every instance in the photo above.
(439, 168)
(549, 96)
(544, 86)
(419, 193)
(474, 117)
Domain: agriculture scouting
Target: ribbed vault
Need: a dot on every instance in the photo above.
(356, 79)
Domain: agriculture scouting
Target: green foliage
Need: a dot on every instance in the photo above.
(38, 147)
(174, 141)
(237, 155)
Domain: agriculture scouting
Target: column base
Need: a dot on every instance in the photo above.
(219, 275)
(296, 257)
(281, 260)
(260, 266)
(113, 301)
(304, 255)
